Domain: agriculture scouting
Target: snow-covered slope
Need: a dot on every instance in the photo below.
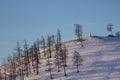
(101, 61)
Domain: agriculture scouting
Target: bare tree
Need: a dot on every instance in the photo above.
(63, 52)
(32, 55)
(78, 31)
(49, 65)
(77, 60)
(19, 61)
(14, 67)
(36, 58)
(49, 44)
(26, 58)
(49, 55)
(61, 58)
(65, 56)
(118, 34)
(4, 67)
(59, 40)
(43, 45)
(5, 72)
(9, 60)
(53, 39)
(58, 49)
(109, 28)
(57, 57)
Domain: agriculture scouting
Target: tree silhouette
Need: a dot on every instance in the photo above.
(26, 58)
(117, 34)
(78, 31)
(77, 60)
(110, 27)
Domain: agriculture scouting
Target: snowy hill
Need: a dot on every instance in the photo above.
(101, 61)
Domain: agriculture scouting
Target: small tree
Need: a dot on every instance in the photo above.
(49, 64)
(26, 58)
(57, 57)
(43, 45)
(77, 60)
(49, 44)
(10, 68)
(59, 40)
(78, 31)
(118, 34)
(36, 58)
(64, 58)
(4, 69)
(19, 62)
(109, 28)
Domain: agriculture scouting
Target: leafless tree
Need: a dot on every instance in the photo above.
(31, 55)
(78, 31)
(10, 65)
(53, 39)
(49, 65)
(5, 72)
(109, 28)
(36, 58)
(26, 58)
(49, 44)
(57, 57)
(63, 52)
(118, 34)
(77, 60)
(58, 48)
(65, 56)
(43, 45)
(19, 61)
(59, 40)
(4, 67)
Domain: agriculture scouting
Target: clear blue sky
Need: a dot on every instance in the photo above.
(31, 19)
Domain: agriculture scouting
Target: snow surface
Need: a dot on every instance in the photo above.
(101, 61)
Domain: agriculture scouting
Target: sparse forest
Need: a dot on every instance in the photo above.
(29, 59)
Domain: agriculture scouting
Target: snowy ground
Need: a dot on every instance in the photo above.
(101, 61)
